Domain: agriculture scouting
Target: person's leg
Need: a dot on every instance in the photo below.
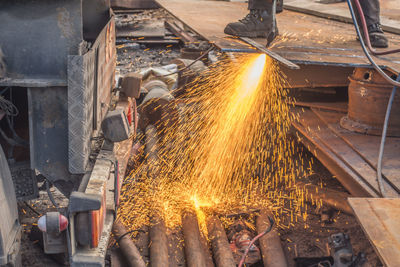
(259, 4)
(371, 10)
(260, 22)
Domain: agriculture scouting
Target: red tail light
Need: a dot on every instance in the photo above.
(97, 222)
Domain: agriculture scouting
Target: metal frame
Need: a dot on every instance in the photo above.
(69, 79)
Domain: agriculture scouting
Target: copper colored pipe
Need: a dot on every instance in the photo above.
(270, 244)
(158, 243)
(128, 248)
(158, 235)
(193, 248)
(219, 242)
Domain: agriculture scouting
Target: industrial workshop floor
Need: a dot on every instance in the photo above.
(306, 238)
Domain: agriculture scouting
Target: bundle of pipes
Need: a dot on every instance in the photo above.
(197, 251)
(157, 112)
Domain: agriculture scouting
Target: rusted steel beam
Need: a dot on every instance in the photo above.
(128, 248)
(329, 197)
(193, 248)
(158, 243)
(219, 242)
(270, 244)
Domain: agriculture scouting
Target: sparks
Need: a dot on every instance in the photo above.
(227, 150)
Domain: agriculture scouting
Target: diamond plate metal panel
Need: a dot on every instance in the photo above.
(106, 63)
(81, 85)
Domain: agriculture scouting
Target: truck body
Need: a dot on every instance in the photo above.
(59, 59)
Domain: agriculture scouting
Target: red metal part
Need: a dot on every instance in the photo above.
(97, 222)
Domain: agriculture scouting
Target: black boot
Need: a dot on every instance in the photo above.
(258, 23)
(377, 37)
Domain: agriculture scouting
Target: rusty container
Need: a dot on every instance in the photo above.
(369, 94)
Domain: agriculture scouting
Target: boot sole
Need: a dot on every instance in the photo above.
(256, 34)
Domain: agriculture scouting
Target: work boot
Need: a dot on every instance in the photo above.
(377, 37)
(258, 23)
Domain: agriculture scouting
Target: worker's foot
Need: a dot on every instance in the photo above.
(258, 23)
(377, 37)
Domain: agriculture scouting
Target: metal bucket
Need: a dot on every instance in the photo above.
(368, 98)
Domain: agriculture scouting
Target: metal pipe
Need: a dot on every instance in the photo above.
(207, 252)
(158, 237)
(84, 182)
(152, 150)
(270, 244)
(158, 243)
(193, 248)
(329, 197)
(128, 248)
(219, 242)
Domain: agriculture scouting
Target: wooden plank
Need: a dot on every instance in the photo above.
(334, 106)
(303, 39)
(342, 150)
(390, 12)
(347, 177)
(367, 146)
(380, 219)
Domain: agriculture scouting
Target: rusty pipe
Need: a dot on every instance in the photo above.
(158, 243)
(151, 149)
(193, 247)
(270, 244)
(329, 197)
(128, 248)
(158, 237)
(219, 242)
(207, 251)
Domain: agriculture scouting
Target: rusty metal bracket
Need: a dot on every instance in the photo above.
(273, 55)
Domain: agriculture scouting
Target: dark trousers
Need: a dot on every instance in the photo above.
(259, 4)
(370, 8)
